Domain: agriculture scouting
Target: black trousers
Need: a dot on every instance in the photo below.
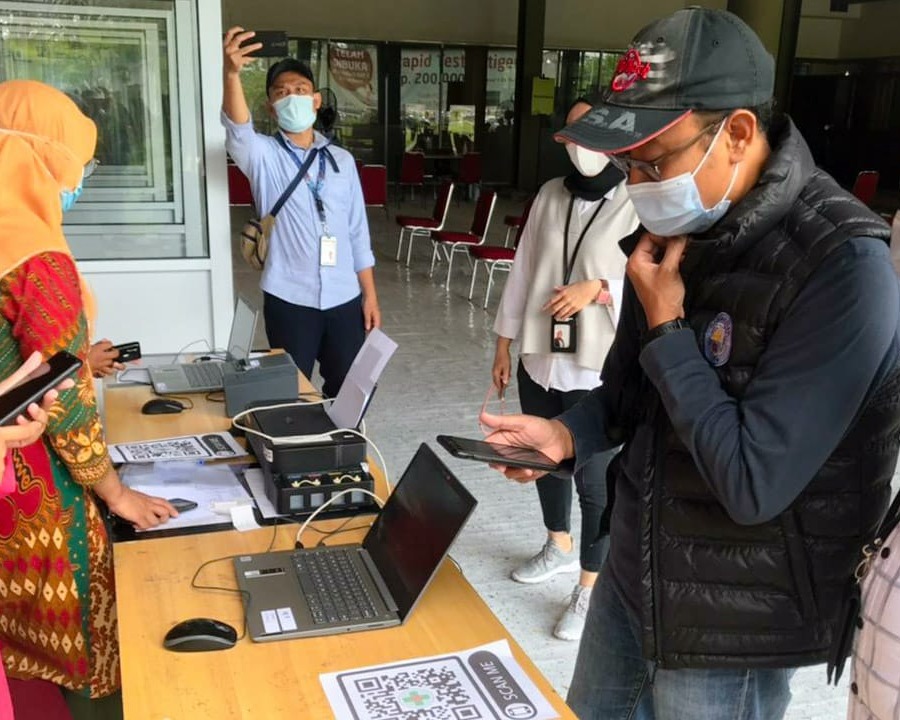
(554, 492)
(333, 336)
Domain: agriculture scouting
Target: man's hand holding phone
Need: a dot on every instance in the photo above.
(238, 52)
(550, 437)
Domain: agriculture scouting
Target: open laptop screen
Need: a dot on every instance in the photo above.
(417, 526)
(242, 328)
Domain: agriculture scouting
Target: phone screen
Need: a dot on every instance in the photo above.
(45, 378)
(496, 453)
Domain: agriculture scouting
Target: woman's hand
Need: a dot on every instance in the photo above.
(28, 429)
(143, 511)
(102, 359)
(500, 372)
(567, 300)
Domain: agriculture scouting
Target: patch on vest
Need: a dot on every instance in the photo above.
(717, 340)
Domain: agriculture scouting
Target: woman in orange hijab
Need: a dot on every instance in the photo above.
(57, 609)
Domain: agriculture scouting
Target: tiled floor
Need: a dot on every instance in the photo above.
(435, 384)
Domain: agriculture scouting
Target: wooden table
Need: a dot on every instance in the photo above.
(256, 681)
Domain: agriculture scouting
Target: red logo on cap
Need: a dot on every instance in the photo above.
(629, 70)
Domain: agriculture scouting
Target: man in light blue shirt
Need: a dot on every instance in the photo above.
(318, 282)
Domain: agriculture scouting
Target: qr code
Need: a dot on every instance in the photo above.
(176, 448)
(439, 689)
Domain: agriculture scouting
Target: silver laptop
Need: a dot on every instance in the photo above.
(180, 378)
(344, 588)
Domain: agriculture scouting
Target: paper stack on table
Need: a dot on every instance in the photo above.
(215, 488)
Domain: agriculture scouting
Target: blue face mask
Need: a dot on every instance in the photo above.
(69, 197)
(674, 207)
(295, 113)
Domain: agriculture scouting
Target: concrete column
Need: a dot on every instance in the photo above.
(777, 22)
(529, 61)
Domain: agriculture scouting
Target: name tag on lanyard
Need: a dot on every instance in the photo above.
(327, 241)
(328, 251)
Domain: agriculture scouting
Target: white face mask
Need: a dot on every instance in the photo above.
(674, 207)
(587, 162)
(296, 113)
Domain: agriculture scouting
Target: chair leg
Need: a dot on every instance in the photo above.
(474, 273)
(409, 248)
(434, 256)
(400, 244)
(449, 266)
(487, 291)
(506, 239)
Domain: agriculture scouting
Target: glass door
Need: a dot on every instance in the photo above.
(134, 71)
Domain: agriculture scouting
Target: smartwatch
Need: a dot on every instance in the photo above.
(664, 329)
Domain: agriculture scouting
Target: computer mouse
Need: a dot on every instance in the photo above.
(200, 635)
(162, 406)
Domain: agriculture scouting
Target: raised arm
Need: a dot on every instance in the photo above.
(236, 57)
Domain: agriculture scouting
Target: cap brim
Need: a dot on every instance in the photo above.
(614, 129)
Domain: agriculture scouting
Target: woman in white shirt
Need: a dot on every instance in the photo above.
(561, 301)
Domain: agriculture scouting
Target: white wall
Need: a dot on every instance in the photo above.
(166, 304)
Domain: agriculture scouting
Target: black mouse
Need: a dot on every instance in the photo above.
(200, 635)
(162, 406)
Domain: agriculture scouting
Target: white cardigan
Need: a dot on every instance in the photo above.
(538, 268)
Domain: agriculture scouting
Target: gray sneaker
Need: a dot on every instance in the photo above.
(571, 622)
(550, 561)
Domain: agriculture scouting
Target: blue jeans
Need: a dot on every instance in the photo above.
(613, 682)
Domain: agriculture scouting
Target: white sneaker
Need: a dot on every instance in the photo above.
(571, 622)
(550, 561)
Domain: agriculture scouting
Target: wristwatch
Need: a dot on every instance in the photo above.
(664, 329)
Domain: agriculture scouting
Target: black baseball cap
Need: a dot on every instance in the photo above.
(288, 64)
(694, 59)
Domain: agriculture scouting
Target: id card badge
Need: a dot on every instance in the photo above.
(328, 251)
(564, 335)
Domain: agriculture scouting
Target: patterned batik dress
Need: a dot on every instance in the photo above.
(57, 602)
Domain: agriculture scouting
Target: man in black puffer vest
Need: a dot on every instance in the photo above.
(754, 382)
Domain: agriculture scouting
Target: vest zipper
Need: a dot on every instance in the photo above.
(658, 444)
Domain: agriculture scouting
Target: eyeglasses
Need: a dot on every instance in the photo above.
(652, 168)
(91, 167)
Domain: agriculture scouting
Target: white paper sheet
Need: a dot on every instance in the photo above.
(254, 478)
(206, 485)
(208, 446)
(483, 682)
(347, 409)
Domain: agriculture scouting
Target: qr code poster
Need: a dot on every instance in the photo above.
(209, 446)
(485, 683)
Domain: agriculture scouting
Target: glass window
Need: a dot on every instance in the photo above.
(347, 77)
(420, 97)
(132, 67)
(499, 110)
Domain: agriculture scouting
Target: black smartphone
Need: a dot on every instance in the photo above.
(496, 453)
(182, 505)
(128, 351)
(45, 378)
(274, 43)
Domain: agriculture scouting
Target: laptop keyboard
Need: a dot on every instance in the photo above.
(204, 374)
(333, 588)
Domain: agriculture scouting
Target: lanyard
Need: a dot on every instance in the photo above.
(314, 188)
(569, 265)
